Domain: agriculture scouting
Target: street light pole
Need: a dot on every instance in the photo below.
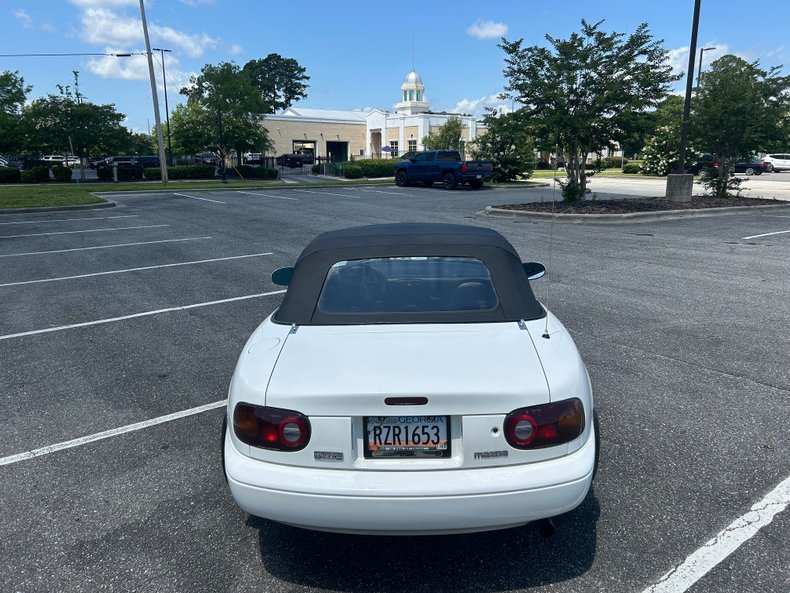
(702, 50)
(167, 108)
(160, 140)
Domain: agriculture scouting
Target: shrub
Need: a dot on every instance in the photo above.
(185, 172)
(10, 175)
(153, 173)
(353, 171)
(376, 167)
(632, 168)
(61, 173)
(264, 173)
(614, 162)
(315, 169)
(543, 165)
(124, 173)
(105, 173)
(35, 175)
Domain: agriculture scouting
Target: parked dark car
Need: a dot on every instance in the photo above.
(143, 161)
(295, 160)
(707, 165)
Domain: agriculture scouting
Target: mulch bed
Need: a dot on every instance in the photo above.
(627, 205)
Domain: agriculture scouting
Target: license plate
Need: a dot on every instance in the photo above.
(479, 176)
(407, 436)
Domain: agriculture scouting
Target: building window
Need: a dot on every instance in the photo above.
(412, 146)
(419, 95)
(394, 147)
(404, 97)
(411, 95)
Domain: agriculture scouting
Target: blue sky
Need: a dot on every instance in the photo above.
(356, 53)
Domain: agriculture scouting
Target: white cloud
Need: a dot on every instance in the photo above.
(487, 29)
(679, 57)
(236, 49)
(136, 68)
(23, 17)
(478, 107)
(105, 27)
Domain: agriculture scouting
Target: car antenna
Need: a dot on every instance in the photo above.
(551, 240)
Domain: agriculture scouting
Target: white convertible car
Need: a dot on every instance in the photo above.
(410, 383)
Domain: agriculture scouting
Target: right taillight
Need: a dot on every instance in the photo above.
(546, 425)
(270, 428)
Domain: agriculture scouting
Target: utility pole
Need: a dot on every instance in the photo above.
(155, 96)
(167, 107)
(680, 184)
(702, 50)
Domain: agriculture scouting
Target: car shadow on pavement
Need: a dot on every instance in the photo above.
(494, 561)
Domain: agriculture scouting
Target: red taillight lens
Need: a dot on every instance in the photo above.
(545, 426)
(464, 167)
(271, 428)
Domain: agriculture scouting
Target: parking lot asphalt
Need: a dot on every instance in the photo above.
(113, 320)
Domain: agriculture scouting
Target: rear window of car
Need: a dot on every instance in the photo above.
(407, 285)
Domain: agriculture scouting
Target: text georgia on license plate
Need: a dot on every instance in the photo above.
(394, 433)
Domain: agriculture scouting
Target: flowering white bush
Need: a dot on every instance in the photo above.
(660, 153)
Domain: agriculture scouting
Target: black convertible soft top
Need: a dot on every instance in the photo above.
(515, 298)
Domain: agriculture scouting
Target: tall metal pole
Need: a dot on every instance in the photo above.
(684, 130)
(167, 107)
(155, 96)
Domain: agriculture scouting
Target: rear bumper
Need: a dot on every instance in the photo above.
(410, 503)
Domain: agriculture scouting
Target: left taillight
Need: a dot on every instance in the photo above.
(546, 425)
(464, 167)
(271, 428)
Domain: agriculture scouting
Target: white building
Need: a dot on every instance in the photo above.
(345, 135)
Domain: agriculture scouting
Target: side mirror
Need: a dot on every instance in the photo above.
(282, 276)
(534, 270)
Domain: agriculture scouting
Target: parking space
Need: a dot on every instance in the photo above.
(119, 332)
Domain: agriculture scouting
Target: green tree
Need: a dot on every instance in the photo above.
(662, 150)
(13, 92)
(447, 136)
(281, 81)
(741, 108)
(55, 123)
(225, 95)
(576, 90)
(508, 144)
(636, 127)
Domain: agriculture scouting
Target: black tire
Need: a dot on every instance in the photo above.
(749, 171)
(401, 180)
(769, 168)
(475, 184)
(597, 442)
(222, 444)
(448, 181)
(758, 172)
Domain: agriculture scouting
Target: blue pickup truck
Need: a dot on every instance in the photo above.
(443, 166)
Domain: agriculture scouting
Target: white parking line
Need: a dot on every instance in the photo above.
(197, 198)
(136, 315)
(104, 246)
(123, 228)
(109, 433)
(249, 193)
(729, 539)
(184, 263)
(70, 219)
(322, 193)
(765, 235)
(394, 193)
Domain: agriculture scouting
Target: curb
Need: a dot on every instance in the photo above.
(106, 204)
(630, 216)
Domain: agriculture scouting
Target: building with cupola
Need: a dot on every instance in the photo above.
(342, 135)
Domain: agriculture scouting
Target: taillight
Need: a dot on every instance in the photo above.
(545, 426)
(464, 167)
(271, 428)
